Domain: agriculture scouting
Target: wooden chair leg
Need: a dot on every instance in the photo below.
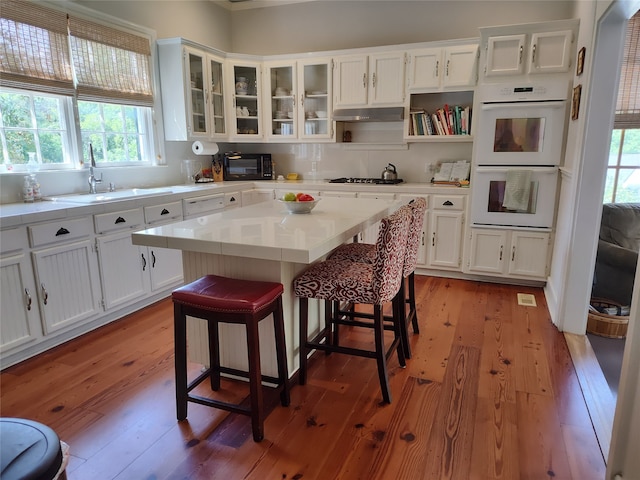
(413, 312)
(378, 326)
(400, 320)
(333, 329)
(180, 339)
(214, 354)
(281, 354)
(255, 381)
(304, 336)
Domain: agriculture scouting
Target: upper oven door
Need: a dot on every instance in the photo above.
(521, 133)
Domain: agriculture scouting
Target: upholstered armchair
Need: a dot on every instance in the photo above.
(617, 255)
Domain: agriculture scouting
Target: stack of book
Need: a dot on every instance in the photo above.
(454, 120)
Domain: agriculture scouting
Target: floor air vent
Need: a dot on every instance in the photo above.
(527, 300)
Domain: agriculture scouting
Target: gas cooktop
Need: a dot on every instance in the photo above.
(378, 181)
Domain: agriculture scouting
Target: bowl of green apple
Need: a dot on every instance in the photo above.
(298, 203)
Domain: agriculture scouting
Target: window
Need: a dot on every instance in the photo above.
(56, 68)
(623, 172)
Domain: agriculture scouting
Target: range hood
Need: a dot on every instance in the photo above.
(389, 114)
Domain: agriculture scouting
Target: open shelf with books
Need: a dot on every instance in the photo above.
(440, 117)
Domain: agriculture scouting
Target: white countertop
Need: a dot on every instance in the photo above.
(16, 214)
(267, 231)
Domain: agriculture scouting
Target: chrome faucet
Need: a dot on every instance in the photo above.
(92, 178)
(93, 181)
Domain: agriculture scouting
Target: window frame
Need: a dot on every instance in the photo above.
(617, 168)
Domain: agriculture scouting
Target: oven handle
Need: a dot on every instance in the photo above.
(514, 167)
(544, 104)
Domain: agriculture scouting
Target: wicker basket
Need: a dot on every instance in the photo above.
(611, 326)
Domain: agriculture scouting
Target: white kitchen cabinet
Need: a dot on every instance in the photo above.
(421, 259)
(245, 103)
(369, 80)
(164, 264)
(193, 87)
(370, 235)
(446, 222)
(19, 311)
(232, 200)
(528, 53)
(419, 105)
(300, 94)
(510, 253)
(68, 284)
(443, 67)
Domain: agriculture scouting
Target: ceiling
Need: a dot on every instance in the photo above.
(249, 4)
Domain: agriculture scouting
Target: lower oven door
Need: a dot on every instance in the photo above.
(514, 196)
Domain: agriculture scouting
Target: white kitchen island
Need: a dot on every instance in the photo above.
(262, 242)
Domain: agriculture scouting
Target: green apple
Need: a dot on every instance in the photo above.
(289, 197)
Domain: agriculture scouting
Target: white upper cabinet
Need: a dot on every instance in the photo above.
(299, 106)
(245, 103)
(446, 67)
(369, 80)
(192, 94)
(542, 52)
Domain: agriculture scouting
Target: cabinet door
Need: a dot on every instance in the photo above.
(196, 69)
(528, 256)
(460, 66)
(445, 239)
(425, 68)
(124, 269)
(505, 55)
(386, 73)
(350, 81)
(487, 251)
(216, 92)
(68, 284)
(370, 235)
(250, 197)
(314, 99)
(165, 267)
(550, 52)
(280, 88)
(245, 108)
(18, 303)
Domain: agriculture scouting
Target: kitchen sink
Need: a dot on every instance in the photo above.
(88, 198)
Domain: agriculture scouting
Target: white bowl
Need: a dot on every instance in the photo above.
(321, 114)
(299, 207)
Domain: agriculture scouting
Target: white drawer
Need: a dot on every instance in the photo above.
(378, 196)
(203, 205)
(60, 231)
(232, 199)
(124, 219)
(447, 202)
(13, 240)
(406, 197)
(163, 213)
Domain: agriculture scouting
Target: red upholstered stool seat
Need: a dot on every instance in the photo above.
(219, 299)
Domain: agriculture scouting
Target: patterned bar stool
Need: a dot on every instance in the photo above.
(358, 283)
(228, 300)
(365, 253)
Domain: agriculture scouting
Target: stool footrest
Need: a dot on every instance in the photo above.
(358, 352)
(231, 371)
(208, 402)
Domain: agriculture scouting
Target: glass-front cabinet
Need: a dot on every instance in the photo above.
(216, 85)
(299, 106)
(245, 101)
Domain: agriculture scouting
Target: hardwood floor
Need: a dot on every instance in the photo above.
(491, 392)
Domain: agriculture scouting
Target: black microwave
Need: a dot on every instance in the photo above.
(247, 166)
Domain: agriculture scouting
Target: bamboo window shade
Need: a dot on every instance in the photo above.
(628, 103)
(49, 50)
(34, 48)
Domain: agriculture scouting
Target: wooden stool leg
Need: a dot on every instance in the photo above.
(331, 309)
(281, 353)
(255, 381)
(400, 320)
(304, 337)
(413, 312)
(180, 341)
(214, 354)
(378, 326)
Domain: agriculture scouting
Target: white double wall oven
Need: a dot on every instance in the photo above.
(518, 150)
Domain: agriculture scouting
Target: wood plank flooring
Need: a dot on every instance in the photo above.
(490, 393)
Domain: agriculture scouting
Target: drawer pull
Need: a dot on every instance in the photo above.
(448, 203)
(26, 292)
(62, 231)
(164, 212)
(232, 199)
(120, 220)
(45, 294)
